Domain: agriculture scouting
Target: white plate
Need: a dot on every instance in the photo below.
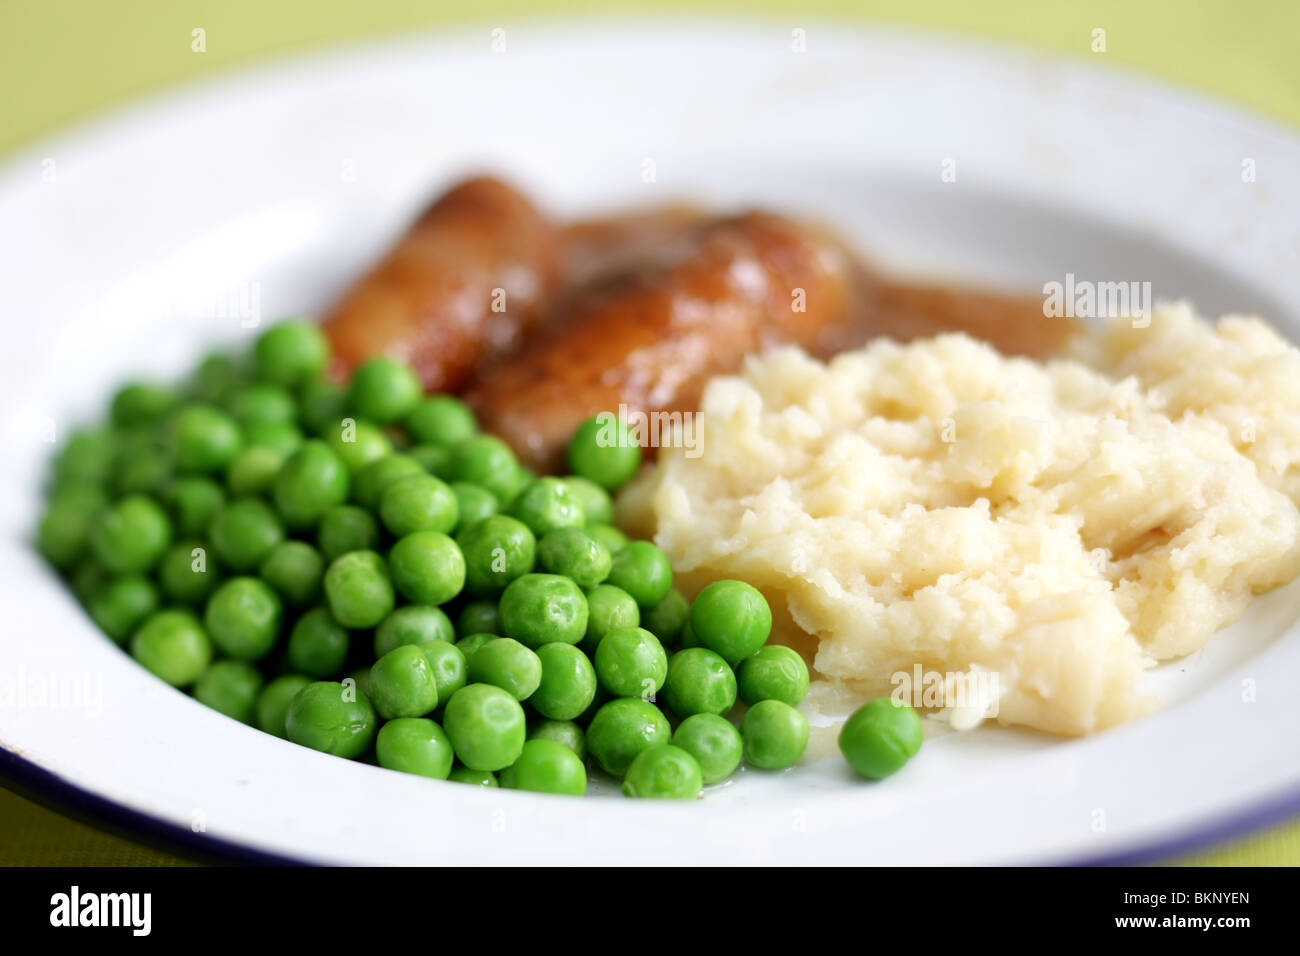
(123, 245)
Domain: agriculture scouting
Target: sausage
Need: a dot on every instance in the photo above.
(649, 339)
(463, 286)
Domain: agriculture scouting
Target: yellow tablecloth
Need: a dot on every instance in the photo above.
(61, 60)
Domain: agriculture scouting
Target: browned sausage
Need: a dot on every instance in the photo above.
(468, 279)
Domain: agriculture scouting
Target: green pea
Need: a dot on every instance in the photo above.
(427, 567)
(605, 451)
(204, 439)
(643, 571)
(488, 462)
(122, 604)
(479, 778)
(141, 403)
(414, 745)
(775, 735)
(384, 390)
(568, 682)
(131, 536)
(663, 772)
(413, 624)
(773, 672)
(418, 503)
(442, 421)
(318, 644)
(714, 742)
(473, 504)
(185, 575)
(731, 618)
(699, 682)
(597, 507)
(273, 702)
(358, 589)
(345, 528)
(880, 736)
(667, 618)
(284, 438)
(565, 732)
(87, 579)
(486, 726)
(357, 443)
(630, 662)
(295, 570)
(507, 664)
(87, 457)
(497, 550)
(688, 638)
(613, 539)
(470, 644)
(313, 480)
(291, 352)
(146, 472)
(402, 684)
(537, 609)
(68, 522)
(172, 645)
(450, 671)
(243, 618)
(373, 480)
(322, 405)
(478, 617)
(261, 404)
(575, 554)
(194, 503)
(621, 729)
(432, 459)
(608, 607)
(546, 505)
(215, 376)
(244, 533)
(253, 471)
(360, 679)
(231, 688)
(545, 766)
(331, 717)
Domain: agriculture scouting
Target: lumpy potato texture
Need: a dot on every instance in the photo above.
(1062, 525)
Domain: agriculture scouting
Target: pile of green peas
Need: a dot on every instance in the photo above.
(357, 568)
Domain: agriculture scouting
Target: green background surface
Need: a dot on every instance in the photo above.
(63, 60)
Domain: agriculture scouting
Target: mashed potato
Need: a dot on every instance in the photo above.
(939, 508)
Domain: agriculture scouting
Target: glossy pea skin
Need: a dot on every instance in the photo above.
(497, 550)
(318, 644)
(243, 618)
(358, 589)
(332, 718)
(567, 685)
(478, 617)
(667, 618)
(253, 470)
(172, 645)
(775, 735)
(595, 502)
(566, 732)
(608, 607)
(537, 609)
(418, 503)
(714, 742)
(384, 390)
(345, 528)
(412, 624)
(880, 737)
(204, 439)
(488, 462)
(291, 353)
(427, 567)
(185, 575)
(295, 569)
(414, 745)
(470, 643)
(663, 772)
(643, 571)
(194, 502)
(273, 702)
(473, 504)
(477, 778)
(131, 536)
(402, 684)
(283, 438)
(442, 421)
(231, 688)
(313, 480)
(731, 618)
(507, 664)
(486, 726)
(373, 480)
(244, 532)
(450, 671)
(357, 443)
(699, 682)
(605, 451)
(773, 672)
(261, 404)
(122, 604)
(630, 662)
(545, 766)
(621, 729)
(576, 555)
(613, 539)
(64, 532)
(547, 505)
